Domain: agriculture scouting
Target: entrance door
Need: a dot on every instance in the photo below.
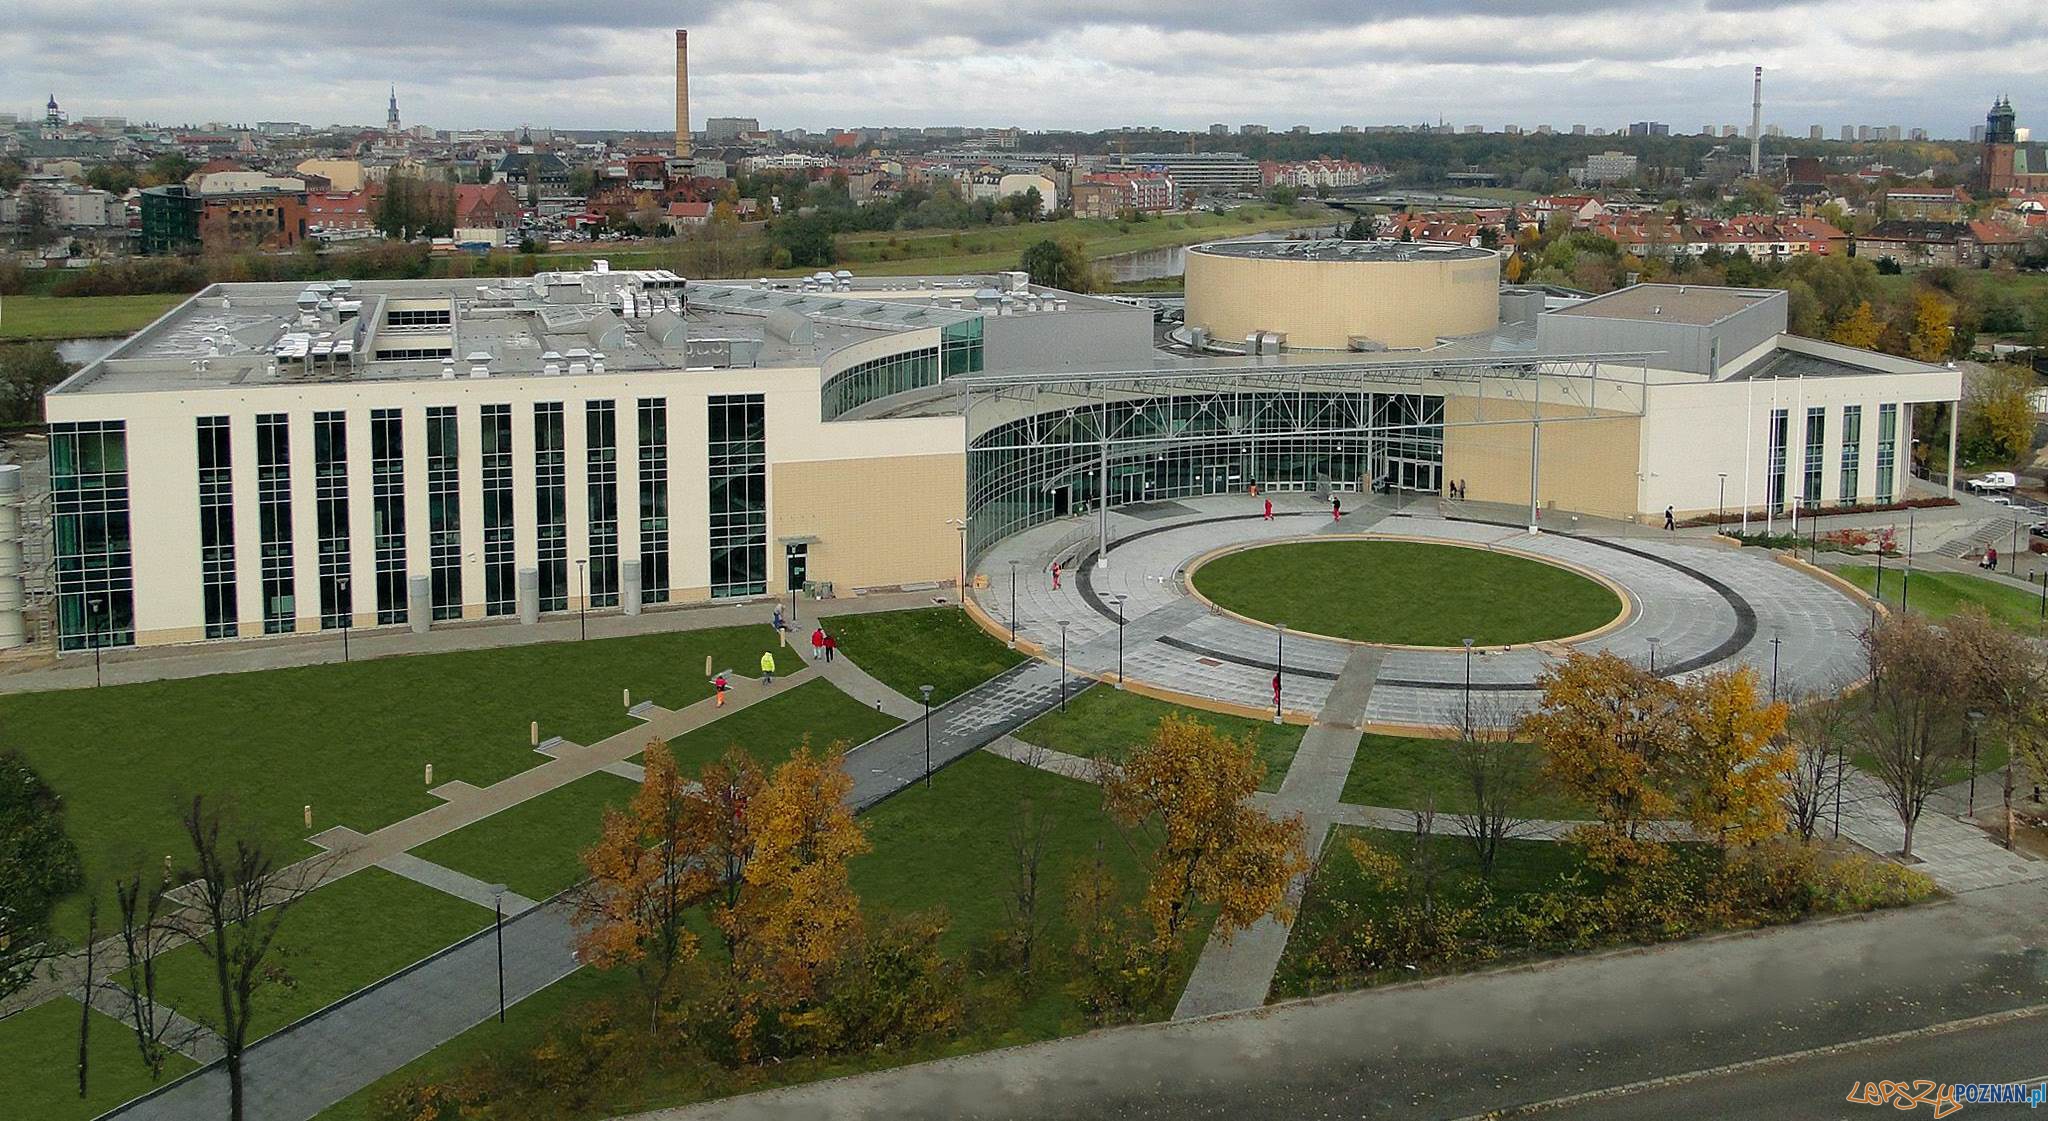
(1062, 501)
(797, 558)
(1215, 479)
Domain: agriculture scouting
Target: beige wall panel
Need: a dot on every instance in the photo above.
(877, 521)
(1321, 304)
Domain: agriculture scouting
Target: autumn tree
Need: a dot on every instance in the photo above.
(1997, 405)
(1495, 775)
(2009, 676)
(1118, 974)
(1913, 724)
(1861, 327)
(1607, 729)
(645, 871)
(1732, 760)
(1933, 330)
(1187, 793)
(1818, 731)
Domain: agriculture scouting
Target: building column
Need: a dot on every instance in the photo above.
(1955, 416)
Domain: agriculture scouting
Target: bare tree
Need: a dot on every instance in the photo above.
(1820, 729)
(1920, 693)
(239, 898)
(91, 961)
(1425, 864)
(146, 931)
(1030, 836)
(1496, 774)
(2009, 676)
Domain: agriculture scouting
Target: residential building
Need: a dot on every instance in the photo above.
(178, 219)
(718, 130)
(1195, 173)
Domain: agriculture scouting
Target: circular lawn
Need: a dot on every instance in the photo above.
(1408, 593)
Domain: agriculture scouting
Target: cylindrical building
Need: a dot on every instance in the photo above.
(1342, 295)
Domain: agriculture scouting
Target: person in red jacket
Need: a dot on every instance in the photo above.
(1269, 509)
(831, 646)
(817, 643)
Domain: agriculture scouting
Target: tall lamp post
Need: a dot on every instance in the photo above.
(1064, 623)
(498, 920)
(1013, 603)
(1653, 656)
(582, 601)
(961, 525)
(2015, 554)
(927, 691)
(1975, 718)
(1119, 601)
(98, 606)
(1468, 687)
(348, 613)
(1279, 665)
(1721, 505)
(1774, 667)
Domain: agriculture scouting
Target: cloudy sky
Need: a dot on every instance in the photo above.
(1084, 64)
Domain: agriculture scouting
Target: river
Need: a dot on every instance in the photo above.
(1148, 264)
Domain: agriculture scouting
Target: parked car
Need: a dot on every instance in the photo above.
(1992, 482)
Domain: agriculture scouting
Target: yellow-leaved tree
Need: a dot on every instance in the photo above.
(1607, 728)
(1860, 327)
(1734, 761)
(1933, 330)
(1187, 790)
(644, 876)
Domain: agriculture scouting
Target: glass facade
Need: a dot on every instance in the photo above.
(960, 345)
(1774, 462)
(1852, 450)
(654, 499)
(863, 382)
(387, 512)
(601, 475)
(95, 560)
(444, 511)
(1887, 451)
(330, 494)
(274, 517)
(1041, 467)
(501, 591)
(217, 528)
(1816, 438)
(738, 470)
(551, 505)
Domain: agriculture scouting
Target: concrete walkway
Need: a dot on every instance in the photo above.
(1236, 970)
(189, 1038)
(1959, 856)
(450, 882)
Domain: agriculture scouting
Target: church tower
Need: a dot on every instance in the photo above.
(391, 115)
(2001, 147)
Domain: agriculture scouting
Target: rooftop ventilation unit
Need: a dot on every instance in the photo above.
(448, 369)
(479, 363)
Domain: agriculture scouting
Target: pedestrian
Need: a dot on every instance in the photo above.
(777, 621)
(817, 643)
(831, 646)
(768, 667)
(1276, 692)
(1669, 523)
(1461, 490)
(1336, 508)
(1055, 576)
(1269, 509)
(718, 687)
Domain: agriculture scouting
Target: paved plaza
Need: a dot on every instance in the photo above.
(1695, 603)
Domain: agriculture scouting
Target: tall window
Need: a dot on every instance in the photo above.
(501, 593)
(1774, 470)
(551, 505)
(95, 559)
(387, 512)
(739, 495)
(654, 499)
(601, 461)
(274, 517)
(1852, 450)
(444, 512)
(1816, 437)
(330, 493)
(217, 527)
(1887, 451)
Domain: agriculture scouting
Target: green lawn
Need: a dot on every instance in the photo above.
(1400, 771)
(345, 935)
(536, 847)
(81, 317)
(936, 646)
(986, 248)
(1938, 594)
(944, 847)
(1407, 592)
(770, 730)
(39, 1064)
(1103, 723)
(1522, 868)
(352, 740)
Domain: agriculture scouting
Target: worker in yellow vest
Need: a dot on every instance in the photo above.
(768, 667)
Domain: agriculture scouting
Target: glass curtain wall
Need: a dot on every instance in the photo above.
(330, 499)
(95, 570)
(653, 414)
(217, 528)
(387, 512)
(551, 505)
(501, 590)
(738, 461)
(601, 460)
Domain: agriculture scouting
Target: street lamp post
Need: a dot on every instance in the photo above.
(1774, 667)
(1906, 578)
(1653, 656)
(1279, 665)
(98, 605)
(1064, 623)
(348, 614)
(582, 601)
(1468, 687)
(498, 921)
(1013, 603)
(927, 691)
(2015, 554)
(1721, 505)
(1974, 717)
(1119, 601)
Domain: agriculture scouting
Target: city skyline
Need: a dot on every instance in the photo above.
(1045, 65)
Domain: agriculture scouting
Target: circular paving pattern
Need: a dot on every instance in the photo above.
(1401, 592)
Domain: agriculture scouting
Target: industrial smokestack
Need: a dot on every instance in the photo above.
(1756, 127)
(683, 92)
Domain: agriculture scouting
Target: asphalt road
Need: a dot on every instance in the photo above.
(1816, 1088)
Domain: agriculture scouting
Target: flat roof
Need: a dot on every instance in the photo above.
(1340, 249)
(1694, 305)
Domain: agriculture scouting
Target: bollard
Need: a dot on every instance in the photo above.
(167, 867)
(707, 666)
(534, 733)
(626, 697)
(309, 815)
(430, 774)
